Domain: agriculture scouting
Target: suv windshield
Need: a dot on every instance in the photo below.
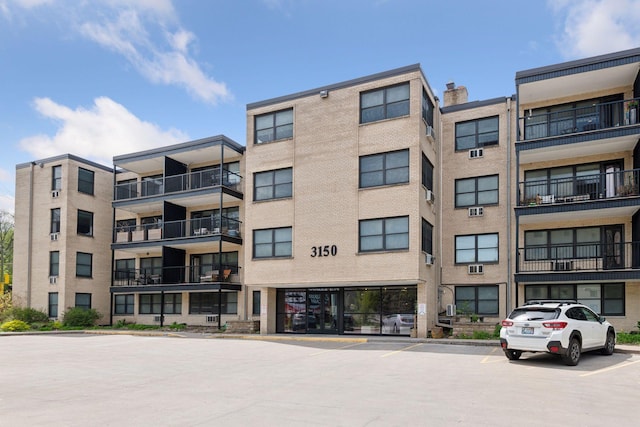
(529, 314)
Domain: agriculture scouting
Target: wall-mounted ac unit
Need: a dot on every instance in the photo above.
(211, 318)
(475, 269)
(53, 280)
(55, 193)
(562, 265)
(476, 153)
(54, 236)
(429, 259)
(430, 132)
(451, 309)
(157, 318)
(430, 196)
(476, 211)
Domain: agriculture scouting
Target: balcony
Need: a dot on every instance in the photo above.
(203, 275)
(618, 184)
(214, 225)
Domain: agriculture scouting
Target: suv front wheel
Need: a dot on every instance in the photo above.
(572, 356)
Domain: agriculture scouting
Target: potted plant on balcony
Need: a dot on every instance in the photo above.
(632, 112)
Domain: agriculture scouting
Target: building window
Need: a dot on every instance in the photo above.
(55, 220)
(427, 173)
(384, 169)
(274, 184)
(56, 178)
(477, 300)
(384, 234)
(124, 304)
(477, 248)
(476, 133)
(83, 300)
(172, 303)
(427, 108)
(477, 191)
(53, 304)
(256, 303)
(150, 303)
(85, 223)
(84, 263)
(563, 243)
(54, 263)
(607, 299)
(385, 103)
(85, 181)
(125, 272)
(427, 237)
(272, 243)
(274, 126)
(207, 303)
(126, 189)
(152, 185)
(151, 266)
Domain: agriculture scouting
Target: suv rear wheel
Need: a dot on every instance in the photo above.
(572, 355)
(513, 354)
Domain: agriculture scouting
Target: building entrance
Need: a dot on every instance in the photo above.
(323, 308)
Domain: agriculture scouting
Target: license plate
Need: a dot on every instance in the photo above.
(527, 331)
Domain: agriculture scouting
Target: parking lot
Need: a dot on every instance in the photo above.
(84, 379)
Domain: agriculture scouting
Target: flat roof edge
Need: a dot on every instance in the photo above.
(65, 157)
(475, 104)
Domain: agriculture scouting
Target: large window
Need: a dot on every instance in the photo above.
(85, 223)
(427, 108)
(385, 103)
(55, 220)
(274, 126)
(256, 303)
(272, 242)
(56, 178)
(563, 243)
(151, 266)
(127, 189)
(54, 263)
(427, 237)
(476, 133)
(274, 184)
(384, 234)
(125, 271)
(477, 299)
(53, 304)
(477, 191)
(427, 173)
(84, 263)
(152, 303)
(83, 300)
(85, 181)
(124, 304)
(606, 299)
(152, 185)
(477, 248)
(207, 303)
(577, 180)
(384, 169)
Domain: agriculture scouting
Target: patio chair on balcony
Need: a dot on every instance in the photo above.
(209, 276)
(548, 199)
(225, 274)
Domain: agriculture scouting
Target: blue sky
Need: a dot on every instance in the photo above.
(104, 77)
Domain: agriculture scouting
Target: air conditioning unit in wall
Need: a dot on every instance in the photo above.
(431, 133)
(211, 318)
(476, 211)
(157, 318)
(429, 259)
(476, 153)
(562, 265)
(451, 309)
(430, 196)
(53, 236)
(53, 280)
(55, 194)
(475, 269)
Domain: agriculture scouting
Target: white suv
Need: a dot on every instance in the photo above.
(565, 328)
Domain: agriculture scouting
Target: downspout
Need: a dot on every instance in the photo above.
(113, 254)
(220, 238)
(509, 210)
(30, 236)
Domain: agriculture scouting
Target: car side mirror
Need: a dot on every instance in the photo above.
(601, 319)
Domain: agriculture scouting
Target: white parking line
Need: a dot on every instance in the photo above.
(611, 368)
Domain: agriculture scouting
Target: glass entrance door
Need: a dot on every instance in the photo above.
(323, 311)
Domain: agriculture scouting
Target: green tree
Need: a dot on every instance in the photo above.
(6, 244)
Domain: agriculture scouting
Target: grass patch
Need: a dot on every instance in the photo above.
(627, 338)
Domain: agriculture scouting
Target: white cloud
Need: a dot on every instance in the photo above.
(97, 134)
(593, 27)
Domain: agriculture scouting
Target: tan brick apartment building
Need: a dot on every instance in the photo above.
(363, 207)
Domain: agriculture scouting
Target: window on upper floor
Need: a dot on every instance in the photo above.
(273, 126)
(127, 189)
(384, 169)
(275, 184)
(125, 272)
(427, 173)
(384, 234)
(151, 266)
(152, 185)
(55, 220)
(85, 223)
(476, 133)
(477, 248)
(477, 191)
(427, 108)
(83, 300)
(56, 177)
(384, 103)
(54, 263)
(477, 299)
(272, 243)
(566, 243)
(85, 181)
(123, 304)
(427, 236)
(84, 264)
(606, 299)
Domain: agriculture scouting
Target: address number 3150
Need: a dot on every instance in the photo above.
(326, 250)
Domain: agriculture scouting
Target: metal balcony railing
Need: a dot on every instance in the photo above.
(579, 188)
(197, 227)
(579, 257)
(213, 177)
(579, 119)
(206, 273)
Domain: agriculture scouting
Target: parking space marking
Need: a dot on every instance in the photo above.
(611, 368)
(492, 356)
(401, 350)
(337, 348)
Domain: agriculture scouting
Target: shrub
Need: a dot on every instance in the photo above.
(14, 326)
(28, 315)
(80, 317)
(178, 326)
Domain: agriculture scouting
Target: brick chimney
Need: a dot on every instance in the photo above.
(455, 95)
